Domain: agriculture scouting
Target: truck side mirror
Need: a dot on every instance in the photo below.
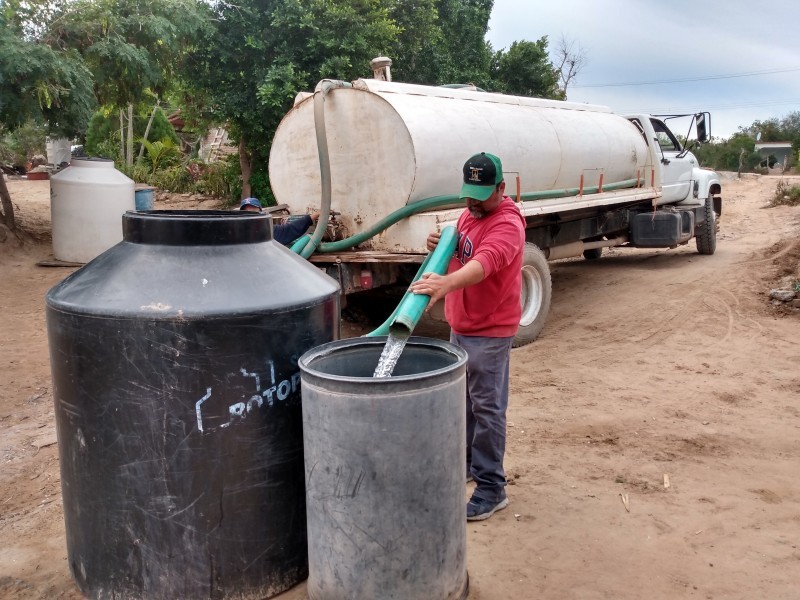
(702, 131)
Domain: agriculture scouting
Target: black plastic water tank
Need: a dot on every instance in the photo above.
(177, 402)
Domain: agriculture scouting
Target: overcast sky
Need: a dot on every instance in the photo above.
(631, 41)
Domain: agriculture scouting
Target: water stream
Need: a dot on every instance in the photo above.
(391, 352)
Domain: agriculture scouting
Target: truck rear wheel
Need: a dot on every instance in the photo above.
(706, 234)
(537, 289)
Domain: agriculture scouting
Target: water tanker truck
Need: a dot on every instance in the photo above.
(387, 158)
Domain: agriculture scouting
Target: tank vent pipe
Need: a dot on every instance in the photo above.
(381, 68)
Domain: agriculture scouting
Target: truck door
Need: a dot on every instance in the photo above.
(676, 170)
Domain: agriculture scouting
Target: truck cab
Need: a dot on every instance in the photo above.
(682, 180)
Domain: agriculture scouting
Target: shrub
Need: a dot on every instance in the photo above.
(175, 179)
(786, 194)
(24, 142)
(107, 149)
(213, 180)
(162, 153)
(139, 173)
(104, 126)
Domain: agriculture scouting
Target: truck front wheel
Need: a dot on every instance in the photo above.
(537, 289)
(706, 234)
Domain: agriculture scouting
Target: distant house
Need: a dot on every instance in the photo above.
(214, 146)
(780, 150)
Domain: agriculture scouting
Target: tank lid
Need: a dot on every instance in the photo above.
(93, 162)
(196, 227)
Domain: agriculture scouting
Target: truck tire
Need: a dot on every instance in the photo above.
(706, 234)
(537, 289)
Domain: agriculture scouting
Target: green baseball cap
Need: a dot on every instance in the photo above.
(482, 173)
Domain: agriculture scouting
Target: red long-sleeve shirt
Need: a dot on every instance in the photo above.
(490, 308)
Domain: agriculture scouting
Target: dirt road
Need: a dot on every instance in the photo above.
(655, 366)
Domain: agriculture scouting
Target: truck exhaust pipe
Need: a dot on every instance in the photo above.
(574, 249)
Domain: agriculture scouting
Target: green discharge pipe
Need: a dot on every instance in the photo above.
(439, 201)
(300, 243)
(409, 310)
(324, 164)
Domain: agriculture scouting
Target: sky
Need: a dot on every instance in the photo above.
(743, 57)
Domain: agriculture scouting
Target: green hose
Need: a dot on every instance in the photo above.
(300, 243)
(324, 164)
(411, 306)
(452, 200)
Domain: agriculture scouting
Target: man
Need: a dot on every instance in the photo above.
(482, 306)
(288, 232)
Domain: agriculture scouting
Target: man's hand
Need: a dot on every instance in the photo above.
(437, 286)
(433, 285)
(433, 240)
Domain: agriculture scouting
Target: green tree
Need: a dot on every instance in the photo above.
(161, 153)
(103, 127)
(27, 140)
(134, 48)
(262, 52)
(466, 55)
(38, 83)
(418, 43)
(730, 155)
(443, 42)
(525, 70)
(738, 152)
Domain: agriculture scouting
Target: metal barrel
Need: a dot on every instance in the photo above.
(177, 404)
(385, 464)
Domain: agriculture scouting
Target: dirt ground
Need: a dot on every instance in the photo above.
(655, 366)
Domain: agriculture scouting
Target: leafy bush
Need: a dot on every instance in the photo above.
(786, 194)
(260, 188)
(104, 126)
(24, 142)
(138, 172)
(162, 153)
(175, 179)
(107, 149)
(212, 179)
(143, 173)
(219, 179)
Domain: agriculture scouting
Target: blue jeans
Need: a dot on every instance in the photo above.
(487, 400)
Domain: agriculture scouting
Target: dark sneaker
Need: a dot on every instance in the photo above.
(479, 509)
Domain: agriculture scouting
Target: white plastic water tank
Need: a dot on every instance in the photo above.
(87, 201)
(59, 150)
(392, 144)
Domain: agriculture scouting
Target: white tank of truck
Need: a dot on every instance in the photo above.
(394, 144)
